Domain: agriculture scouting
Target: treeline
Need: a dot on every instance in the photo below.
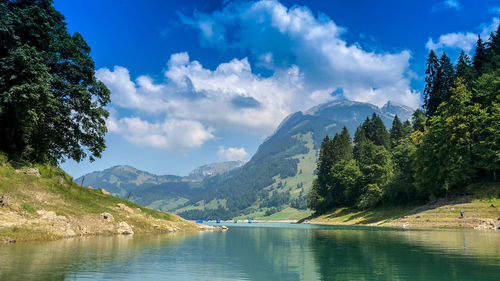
(453, 142)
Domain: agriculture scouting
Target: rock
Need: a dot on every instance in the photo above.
(487, 224)
(60, 180)
(125, 208)
(124, 228)
(139, 210)
(90, 187)
(51, 216)
(406, 225)
(69, 233)
(4, 200)
(224, 227)
(103, 191)
(31, 172)
(107, 217)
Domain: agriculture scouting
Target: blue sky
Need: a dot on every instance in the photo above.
(195, 82)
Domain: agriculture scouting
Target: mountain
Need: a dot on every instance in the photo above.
(214, 169)
(164, 192)
(274, 183)
(279, 175)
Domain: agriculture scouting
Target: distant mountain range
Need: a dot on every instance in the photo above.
(277, 178)
(163, 192)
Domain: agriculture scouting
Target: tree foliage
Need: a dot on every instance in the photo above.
(452, 144)
(51, 105)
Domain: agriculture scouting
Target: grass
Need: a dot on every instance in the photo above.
(79, 205)
(484, 205)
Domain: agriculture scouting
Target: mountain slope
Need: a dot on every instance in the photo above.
(282, 169)
(164, 192)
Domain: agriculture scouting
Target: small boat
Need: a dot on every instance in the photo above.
(218, 220)
(249, 220)
(199, 221)
(306, 222)
(235, 221)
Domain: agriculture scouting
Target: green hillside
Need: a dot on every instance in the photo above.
(50, 206)
(278, 177)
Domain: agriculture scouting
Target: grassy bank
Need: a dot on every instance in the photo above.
(481, 211)
(51, 206)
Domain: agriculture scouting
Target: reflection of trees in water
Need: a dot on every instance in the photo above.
(263, 253)
(57, 260)
(388, 255)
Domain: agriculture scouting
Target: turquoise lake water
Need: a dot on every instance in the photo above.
(262, 251)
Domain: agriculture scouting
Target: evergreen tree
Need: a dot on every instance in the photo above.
(380, 136)
(446, 75)
(444, 158)
(396, 132)
(464, 68)
(407, 129)
(342, 146)
(480, 57)
(431, 83)
(418, 120)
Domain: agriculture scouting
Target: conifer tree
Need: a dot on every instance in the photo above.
(396, 132)
(464, 68)
(431, 83)
(480, 57)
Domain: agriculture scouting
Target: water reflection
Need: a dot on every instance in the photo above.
(407, 255)
(263, 252)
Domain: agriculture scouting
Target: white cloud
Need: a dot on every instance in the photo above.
(295, 39)
(462, 40)
(307, 58)
(447, 4)
(232, 153)
(172, 134)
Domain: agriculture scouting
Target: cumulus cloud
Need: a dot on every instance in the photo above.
(281, 38)
(171, 134)
(232, 153)
(447, 4)
(462, 40)
(304, 55)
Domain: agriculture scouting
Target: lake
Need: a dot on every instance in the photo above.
(262, 251)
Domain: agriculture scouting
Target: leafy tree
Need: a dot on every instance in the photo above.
(51, 105)
(402, 187)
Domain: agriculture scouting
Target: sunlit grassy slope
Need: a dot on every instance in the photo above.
(76, 210)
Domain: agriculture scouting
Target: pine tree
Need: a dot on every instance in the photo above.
(380, 135)
(418, 119)
(431, 83)
(464, 68)
(396, 132)
(480, 57)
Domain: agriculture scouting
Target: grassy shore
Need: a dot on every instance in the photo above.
(51, 206)
(481, 211)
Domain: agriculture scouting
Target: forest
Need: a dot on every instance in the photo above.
(452, 143)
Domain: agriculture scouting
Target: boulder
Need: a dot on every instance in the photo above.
(124, 228)
(60, 180)
(4, 200)
(107, 217)
(125, 208)
(103, 191)
(31, 172)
